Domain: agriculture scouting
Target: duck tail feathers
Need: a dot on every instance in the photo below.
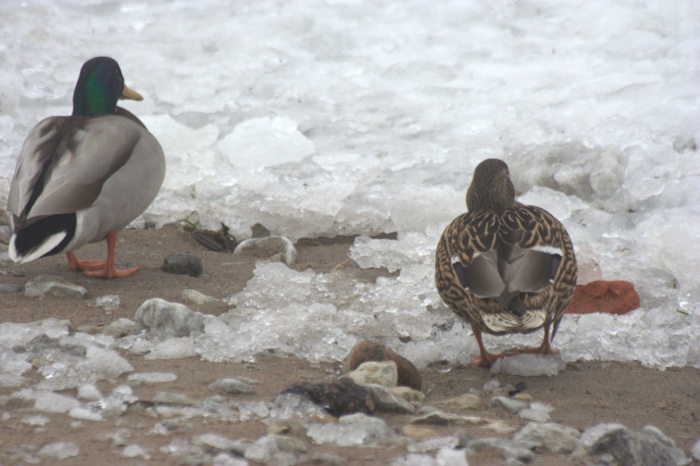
(26, 254)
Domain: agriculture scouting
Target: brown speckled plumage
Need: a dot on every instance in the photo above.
(504, 267)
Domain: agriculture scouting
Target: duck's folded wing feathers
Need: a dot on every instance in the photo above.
(38, 148)
(67, 160)
(512, 253)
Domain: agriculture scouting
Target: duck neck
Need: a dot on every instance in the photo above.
(493, 195)
(91, 99)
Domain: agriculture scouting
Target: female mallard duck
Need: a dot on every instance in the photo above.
(81, 178)
(504, 267)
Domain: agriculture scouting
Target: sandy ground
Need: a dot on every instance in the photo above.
(583, 395)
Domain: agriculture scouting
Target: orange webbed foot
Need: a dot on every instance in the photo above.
(98, 268)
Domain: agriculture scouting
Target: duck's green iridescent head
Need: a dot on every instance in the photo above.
(99, 87)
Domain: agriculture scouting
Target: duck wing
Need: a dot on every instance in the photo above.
(506, 271)
(65, 162)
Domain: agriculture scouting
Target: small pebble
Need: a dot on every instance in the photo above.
(466, 401)
(183, 264)
(60, 450)
(11, 288)
(88, 391)
(152, 377)
(232, 386)
(175, 399)
(386, 400)
(132, 451)
(48, 285)
(419, 433)
(108, 302)
(196, 297)
(511, 405)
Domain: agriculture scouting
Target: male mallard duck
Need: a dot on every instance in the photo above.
(504, 267)
(81, 178)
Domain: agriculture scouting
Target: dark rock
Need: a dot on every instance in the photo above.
(631, 448)
(220, 241)
(11, 288)
(340, 397)
(369, 351)
(183, 264)
(610, 297)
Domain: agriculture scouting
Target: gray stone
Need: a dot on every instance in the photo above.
(276, 248)
(216, 441)
(142, 346)
(120, 327)
(511, 405)
(60, 450)
(328, 459)
(631, 448)
(436, 418)
(108, 302)
(499, 427)
(554, 437)
(386, 400)
(133, 451)
(192, 458)
(248, 380)
(196, 297)
(11, 288)
(151, 377)
(51, 402)
(85, 413)
(420, 433)
(537, 411)
(174, 399)
(448, 456)
(239, 447)
(166, 320)
(89, 391)
(216, 404)
(409, 394)
(276, 449)
(49, 285)
(507, 449)
(464, 437)
(592, 434)
(676, 452)
(695, 451)
(466, 401)
(232, 386)
(183, 264)
(434, 444)
(36, 420)
(440, 418)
